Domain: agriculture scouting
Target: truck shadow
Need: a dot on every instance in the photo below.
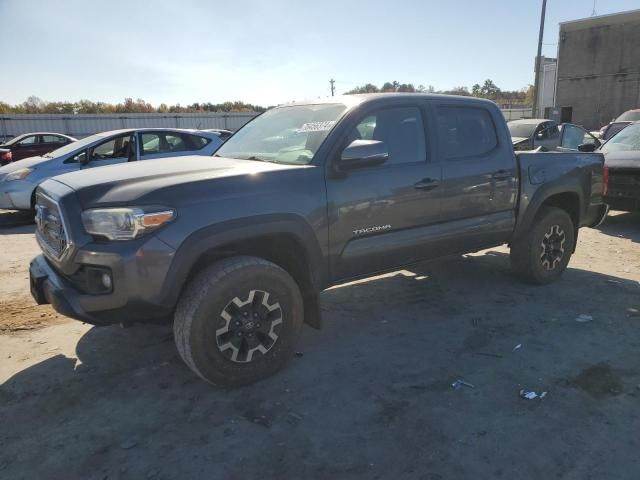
(14, 218)
(128, 401)
(622, 224)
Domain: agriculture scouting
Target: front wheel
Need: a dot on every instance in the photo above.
(541, 256)
(236, 321)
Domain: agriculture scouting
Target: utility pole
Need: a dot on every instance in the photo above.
(332, 81)
(536, 87)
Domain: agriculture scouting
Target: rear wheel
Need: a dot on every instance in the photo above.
(237, 321)
(541, 256)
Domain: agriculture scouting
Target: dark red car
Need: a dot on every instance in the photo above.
(31, 145)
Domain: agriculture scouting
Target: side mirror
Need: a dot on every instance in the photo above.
(363, 153)
(587, 147)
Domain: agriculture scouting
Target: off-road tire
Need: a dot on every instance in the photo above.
(528, 257)
(200, 314)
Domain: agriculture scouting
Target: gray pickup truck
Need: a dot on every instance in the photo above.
(235, 248)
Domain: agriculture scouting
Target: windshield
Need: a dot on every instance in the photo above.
(289, 135)
(521, 129)
(625, 141)
(630, 116)
(73, 146)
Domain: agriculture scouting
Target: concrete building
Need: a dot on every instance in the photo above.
(547, 82)
(598, 68)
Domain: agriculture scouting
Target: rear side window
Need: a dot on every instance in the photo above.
(465, 132)
(199, 142)
(53, 139)
(160, 142)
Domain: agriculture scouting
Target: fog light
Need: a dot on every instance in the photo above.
(106, 281)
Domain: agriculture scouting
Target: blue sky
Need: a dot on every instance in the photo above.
(271, 51)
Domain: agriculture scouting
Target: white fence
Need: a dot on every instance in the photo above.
(516, 113)
(82, 125)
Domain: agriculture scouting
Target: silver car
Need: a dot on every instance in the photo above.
(18, 180)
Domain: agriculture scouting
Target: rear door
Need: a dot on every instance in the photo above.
(479, 176)
(49, 143)
(379, 215)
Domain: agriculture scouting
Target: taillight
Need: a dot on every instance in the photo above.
(6, 156)
(605, 180)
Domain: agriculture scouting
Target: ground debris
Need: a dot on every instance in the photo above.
(583, 318)
(461, 383)
(23, 314)
(531, 395)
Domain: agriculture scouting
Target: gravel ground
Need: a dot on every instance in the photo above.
(369, 396)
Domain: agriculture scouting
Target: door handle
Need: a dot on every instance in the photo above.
(501, 175)
(427, 184)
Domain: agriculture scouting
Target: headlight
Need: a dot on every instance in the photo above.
(125, 223)
(18, 174)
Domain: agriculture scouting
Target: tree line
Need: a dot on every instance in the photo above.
(36, 105)
(33, 104)
(487, 90)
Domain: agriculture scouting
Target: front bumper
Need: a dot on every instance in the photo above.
(16, 195)
(137, 282)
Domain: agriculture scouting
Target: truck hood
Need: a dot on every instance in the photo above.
(163, 181)
(622, 159)
(515, 140)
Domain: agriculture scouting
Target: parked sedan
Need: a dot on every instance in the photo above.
(622, 162)
(627, 118)
(19, 180)
(32, 144)
(531, 133)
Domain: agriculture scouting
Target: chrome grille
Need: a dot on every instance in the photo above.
(50, 230)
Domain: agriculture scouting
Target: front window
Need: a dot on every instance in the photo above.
(625, 141)
(289, 135)
(117, 147)
(572, 137)
(31, 140)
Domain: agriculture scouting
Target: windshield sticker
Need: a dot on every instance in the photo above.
(317, 126)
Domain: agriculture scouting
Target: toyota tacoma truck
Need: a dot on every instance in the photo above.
(234, 249)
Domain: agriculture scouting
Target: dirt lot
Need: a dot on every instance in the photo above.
(367, 397)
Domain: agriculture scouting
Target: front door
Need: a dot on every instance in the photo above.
(111, 151)
(547, 136)
(27, 147)
(377, 214)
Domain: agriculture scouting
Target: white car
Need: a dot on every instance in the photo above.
(18, 180)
